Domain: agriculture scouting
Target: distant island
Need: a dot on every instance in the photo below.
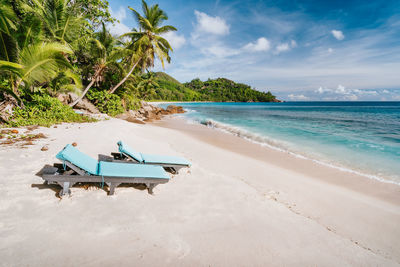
(217, 90)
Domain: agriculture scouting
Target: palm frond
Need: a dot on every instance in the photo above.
(8, 47)
(165, 29)
(136, 15)
(7, 66)
(7, 18)
(41, 62)
(62, 82)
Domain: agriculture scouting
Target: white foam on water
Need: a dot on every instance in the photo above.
(280, 146)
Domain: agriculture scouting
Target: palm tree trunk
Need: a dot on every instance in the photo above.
(84, 92)
(112, 90)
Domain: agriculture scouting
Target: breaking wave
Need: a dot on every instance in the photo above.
(280, 146)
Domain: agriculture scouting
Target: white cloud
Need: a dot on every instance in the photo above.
(282, 48)
(220, 51)
(174, 39)
(369, 92)
(341, 89)
(330, 50)
(207, 38)
(359, 62)
(351, 97)
(119, 28)
(338, 34)
(298, 97)
(285, 47)
(262, 44)
(213, 25)
(120, 14)
(341, 93)
(321, 90)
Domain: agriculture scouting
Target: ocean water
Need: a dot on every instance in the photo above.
(362, 137)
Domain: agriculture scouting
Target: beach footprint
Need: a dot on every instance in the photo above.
(178, 248)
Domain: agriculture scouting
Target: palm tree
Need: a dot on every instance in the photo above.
(103, 48)
(146, 43)
(147, 84)
(59, 19)
(33, 47)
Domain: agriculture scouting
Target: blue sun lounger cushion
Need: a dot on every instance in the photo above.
(83, 161)
(115, 169)
(123, 148)
(151, 158)
(112, 169)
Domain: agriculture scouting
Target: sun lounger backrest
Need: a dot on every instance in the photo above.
(83, 161)
(123, 148)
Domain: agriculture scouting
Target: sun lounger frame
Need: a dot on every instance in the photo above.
(125, 158)
(67, 178)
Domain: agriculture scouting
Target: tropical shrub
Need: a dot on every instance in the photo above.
(44, 110)
(130, 102)
(106, 102)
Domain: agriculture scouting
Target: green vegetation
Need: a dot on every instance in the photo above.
(50, 47)
(168, 89)
(224, 90)
(45, 111)
(218, 90)
(106, 102)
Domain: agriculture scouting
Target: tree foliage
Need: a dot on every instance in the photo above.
(224, 90)
(146, 43)
(49, 47)
(218, 90)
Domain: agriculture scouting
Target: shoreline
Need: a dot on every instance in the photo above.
(237, 131)
(239, 204)
(349, 179)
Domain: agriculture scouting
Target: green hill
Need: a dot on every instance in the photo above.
(163, 76)
(218, 90)
(171, 90)
(224, 90)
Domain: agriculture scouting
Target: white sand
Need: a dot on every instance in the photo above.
(228, 209)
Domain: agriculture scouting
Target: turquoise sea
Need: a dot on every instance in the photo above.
(361, 137)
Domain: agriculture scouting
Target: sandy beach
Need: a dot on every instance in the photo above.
(239, 204)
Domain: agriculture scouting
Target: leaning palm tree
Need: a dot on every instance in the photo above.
(146, 43)
(147, 85)
(103, 48)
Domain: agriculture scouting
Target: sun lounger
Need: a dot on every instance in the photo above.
(78, 167)
(127, 154)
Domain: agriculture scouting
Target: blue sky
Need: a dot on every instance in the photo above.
(299, 50)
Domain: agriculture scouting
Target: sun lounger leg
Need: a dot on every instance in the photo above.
(150, 188)
(177, 169)
(112, 188)
(65, 190)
